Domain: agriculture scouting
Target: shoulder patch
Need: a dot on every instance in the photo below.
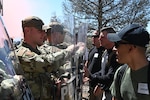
(29, 54)
(20, 51)
(24, 52)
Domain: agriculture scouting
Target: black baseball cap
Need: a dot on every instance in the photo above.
(133, 34)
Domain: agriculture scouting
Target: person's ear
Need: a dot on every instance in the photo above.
(132, 47)
(26, 29)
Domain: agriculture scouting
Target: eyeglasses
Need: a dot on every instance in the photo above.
(97, 36)
(117, 44)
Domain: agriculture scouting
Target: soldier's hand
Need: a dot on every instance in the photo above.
(70, 48)
(81, 48)
(81, 44)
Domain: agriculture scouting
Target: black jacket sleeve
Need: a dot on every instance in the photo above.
(110, 68)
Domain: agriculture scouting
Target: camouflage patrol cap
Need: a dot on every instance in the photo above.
(57, 27)
(33, 21)
(47, 28)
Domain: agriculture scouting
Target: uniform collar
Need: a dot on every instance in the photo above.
(31, 48)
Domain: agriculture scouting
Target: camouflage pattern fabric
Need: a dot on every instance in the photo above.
(62, 55)
(61, 65)
(63, 45)
(35, 68)
(9, 85)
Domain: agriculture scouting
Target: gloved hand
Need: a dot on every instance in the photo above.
(81, 48)
(70, 48)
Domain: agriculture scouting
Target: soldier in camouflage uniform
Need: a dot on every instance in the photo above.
(55, 36)
(36, 66)
(54, 44)
(33, 64)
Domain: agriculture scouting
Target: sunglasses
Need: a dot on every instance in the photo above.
(117, 44)
(97, 36)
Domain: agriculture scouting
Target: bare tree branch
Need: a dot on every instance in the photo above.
(116, 13)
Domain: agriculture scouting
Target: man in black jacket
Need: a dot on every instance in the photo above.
(93, 63)
(108, 66)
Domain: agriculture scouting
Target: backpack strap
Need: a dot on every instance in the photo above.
(119, 78)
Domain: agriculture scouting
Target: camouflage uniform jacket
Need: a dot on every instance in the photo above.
(37, 67)
(11, 87)
(61, 55)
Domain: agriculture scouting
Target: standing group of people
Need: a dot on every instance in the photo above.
(117, 66)
(119, 71)
(102, 77)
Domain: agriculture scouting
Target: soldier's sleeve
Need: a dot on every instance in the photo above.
(53, 53)
(31, 62)
(53, 57)
(10, 88)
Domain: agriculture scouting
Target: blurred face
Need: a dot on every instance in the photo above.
(104, 41)
(123, 50)
(61, 37)
(95, 37)
(95, 41)
(37, 36)
(57, 37)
